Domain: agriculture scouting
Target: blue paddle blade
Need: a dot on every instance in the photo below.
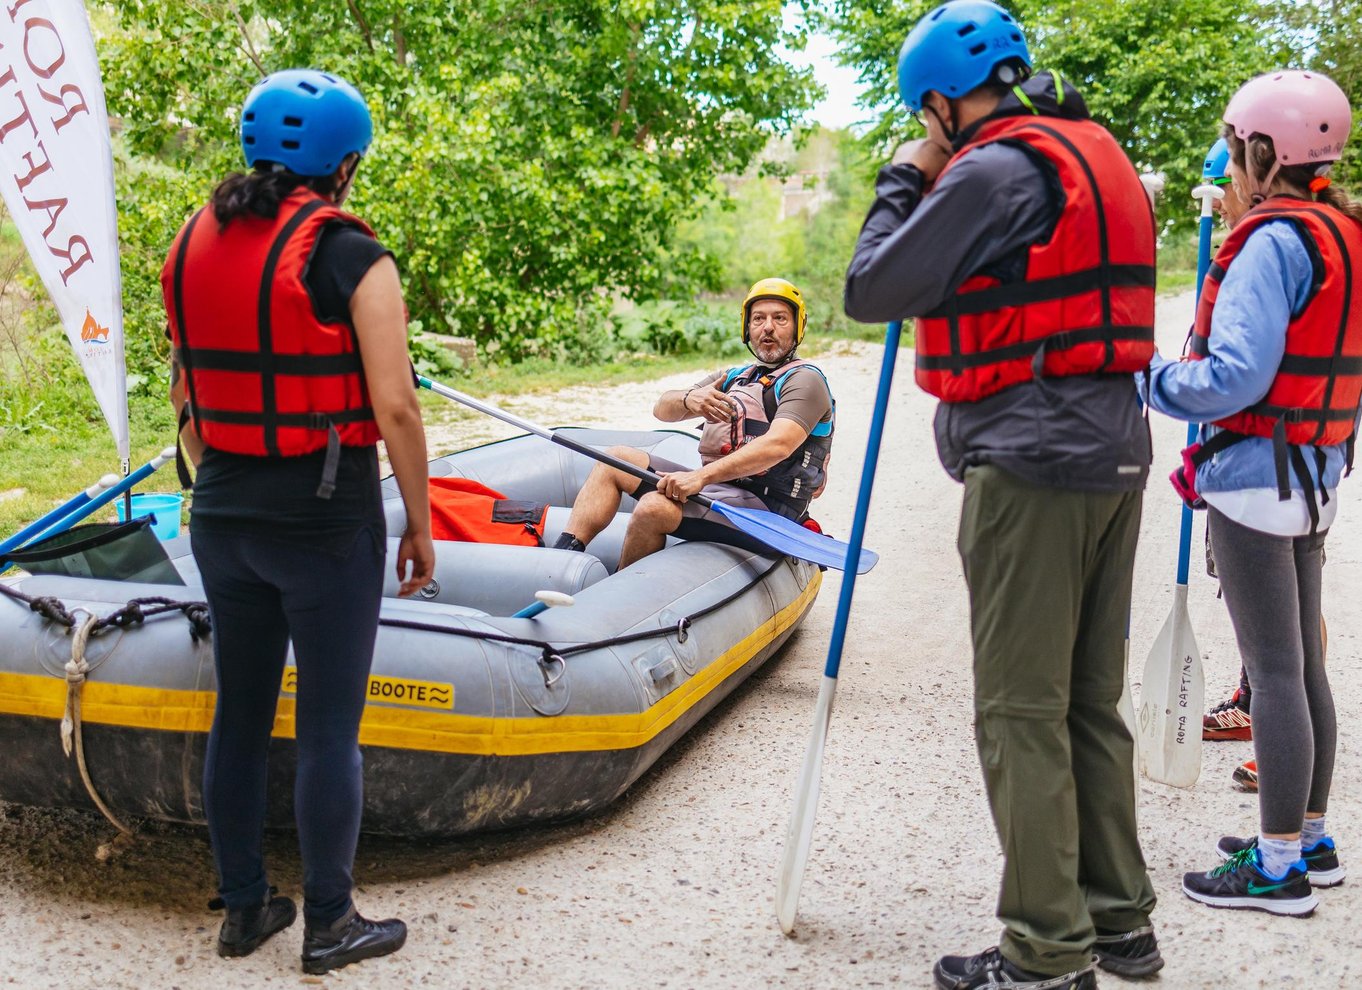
(790, 538)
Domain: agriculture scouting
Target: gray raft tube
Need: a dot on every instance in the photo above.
(656, 688)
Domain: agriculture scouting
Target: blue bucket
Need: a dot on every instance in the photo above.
(163, 508)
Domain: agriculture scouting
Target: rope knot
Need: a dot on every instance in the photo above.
(52, 609)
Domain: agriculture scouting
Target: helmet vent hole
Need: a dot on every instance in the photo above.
(1007, 17)
(293, 121)
(290, 145)
(1323, 128)
(247, 139)
(1016, 37)
(307, 87)
(978, 49)
(967, 29)
(249, 116)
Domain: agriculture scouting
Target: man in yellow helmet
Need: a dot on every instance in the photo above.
(765, 443)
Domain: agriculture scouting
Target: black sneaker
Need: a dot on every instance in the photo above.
(1240, 882)
(350, 939)
(990, 969)
(1321, 859)
(1133, 953)
(245, 929)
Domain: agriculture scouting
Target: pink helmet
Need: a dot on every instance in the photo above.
(1305, 113)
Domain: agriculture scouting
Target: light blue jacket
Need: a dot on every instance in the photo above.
(1264, 289)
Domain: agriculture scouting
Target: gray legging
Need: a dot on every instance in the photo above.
(1272, 588)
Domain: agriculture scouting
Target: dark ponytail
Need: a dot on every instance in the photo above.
(1300, 176)
(259, 193)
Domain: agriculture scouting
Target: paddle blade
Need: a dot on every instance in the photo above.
(790, 538)
(800, 835)
(1171, 699)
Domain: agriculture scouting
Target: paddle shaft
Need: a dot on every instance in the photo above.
(1203, 265)
(550, 435)
(97, 503)
(67, 507)
(872, 457)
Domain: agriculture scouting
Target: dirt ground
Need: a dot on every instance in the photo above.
(673, 886)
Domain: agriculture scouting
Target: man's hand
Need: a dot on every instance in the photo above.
(925, 155)
(417, 550)
(680, 485)
(709, 402)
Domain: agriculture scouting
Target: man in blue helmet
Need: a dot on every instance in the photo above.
(1019, 235)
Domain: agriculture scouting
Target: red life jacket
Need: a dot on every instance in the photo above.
(1086, 304)
(1315, 393)
(463, 509)
(264, 375)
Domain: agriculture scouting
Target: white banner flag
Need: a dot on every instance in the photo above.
(56, 174)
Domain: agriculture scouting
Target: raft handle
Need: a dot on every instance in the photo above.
(683, 629)
(546, 665)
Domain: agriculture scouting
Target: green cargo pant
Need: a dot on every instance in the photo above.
(1049, 574)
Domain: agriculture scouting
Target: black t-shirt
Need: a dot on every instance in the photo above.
(277, 496)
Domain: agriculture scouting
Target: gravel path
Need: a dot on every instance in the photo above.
(672, 887)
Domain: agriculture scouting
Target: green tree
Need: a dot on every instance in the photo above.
(531, 161)
(1157, 73)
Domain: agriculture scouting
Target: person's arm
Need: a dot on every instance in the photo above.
(916, 249)
(380, 324)
(189, 437)
(766, 451)
(700, 399)
(1268, 282)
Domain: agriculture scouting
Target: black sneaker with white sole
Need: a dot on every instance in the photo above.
(1321, 859)
(990, 969)
(1240, 882)
(1131, 954)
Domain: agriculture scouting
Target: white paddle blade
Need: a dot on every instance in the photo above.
(800, 835)
(1171, 699)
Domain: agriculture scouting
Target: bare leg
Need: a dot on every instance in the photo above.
(655, 517)
(599, 499)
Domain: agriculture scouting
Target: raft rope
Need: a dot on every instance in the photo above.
(138, 610)
(551, 654)
(71, 737)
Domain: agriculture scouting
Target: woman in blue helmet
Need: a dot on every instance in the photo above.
(1020, 237)
(290, 362)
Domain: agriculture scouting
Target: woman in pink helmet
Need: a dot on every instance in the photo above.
(1277, 379)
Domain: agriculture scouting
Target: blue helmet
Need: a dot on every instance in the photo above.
(1217, 159)
(959, 46)
(305, 120)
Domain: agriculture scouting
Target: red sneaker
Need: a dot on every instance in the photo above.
(1246, 776)
(1229, 719)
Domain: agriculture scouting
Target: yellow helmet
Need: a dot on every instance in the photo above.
(776, 288)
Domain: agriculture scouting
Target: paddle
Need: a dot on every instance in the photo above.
(783, 535)
(1172, 690)
(103, 499)
(544, 600)
(800, 834)
(70, 505)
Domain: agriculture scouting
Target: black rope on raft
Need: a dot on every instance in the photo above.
(134, 613)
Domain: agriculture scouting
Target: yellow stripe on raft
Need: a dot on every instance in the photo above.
(167, 710)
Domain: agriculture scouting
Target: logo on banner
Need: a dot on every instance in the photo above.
(91, 331)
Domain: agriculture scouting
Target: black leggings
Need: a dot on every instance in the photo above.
(1272, 588)
(262, 593)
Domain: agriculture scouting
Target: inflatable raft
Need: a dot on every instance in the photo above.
(476, 720)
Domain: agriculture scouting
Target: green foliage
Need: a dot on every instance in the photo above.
(1157, 73)
(743, 229)
(531, 161)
